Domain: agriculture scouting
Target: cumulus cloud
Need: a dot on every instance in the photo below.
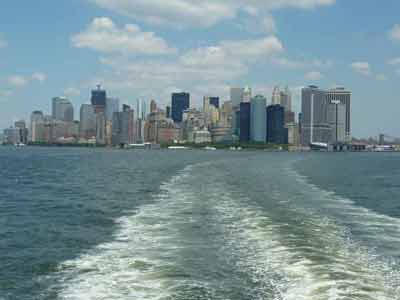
(202, 70)
(314, 76)
(269, 24)
(394, 33)
(394, 61)
(39, 76)
(287, 63)
(17, 81)
(183, 13)
(105, 36)
(71, 91)
(361, 67)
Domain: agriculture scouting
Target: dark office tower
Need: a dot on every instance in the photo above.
(276, 131)
(245, 111)
(168, 112)
(214, 101)
(99, 99)
(180, 103)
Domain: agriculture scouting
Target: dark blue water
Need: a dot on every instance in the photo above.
(109, 224)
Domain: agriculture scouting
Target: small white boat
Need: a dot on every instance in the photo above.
(178, 148)
(20, 145)
(210, 148)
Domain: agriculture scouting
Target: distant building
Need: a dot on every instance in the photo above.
(276, 131)
(180, 103)
(293, 134)
(153, 106)
(11, 136)
(100, 128)
(87, 125)
(340, 94)
(237, 95)
(276, 96)
(247, 94)
(325, 115)
(123, 128)
(36, 119)
(214, 101)
(337, 121)
(286, 100)
(99, 99)
(62, 109)
(112, 106)
(245, 117)
(23, 131)
(168, 112)
(258, 119)
(202, 136)
(314, 123)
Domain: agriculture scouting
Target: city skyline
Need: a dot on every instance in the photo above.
(245, 43)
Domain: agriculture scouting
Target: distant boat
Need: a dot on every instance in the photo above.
(178, 148)
(20, 145)
(210, 148)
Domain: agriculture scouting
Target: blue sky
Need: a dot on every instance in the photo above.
(149, 48)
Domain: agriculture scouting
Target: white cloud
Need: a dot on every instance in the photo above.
(361, 67)
(104, 36)
(71, 91)
(299, 64)
(203, 70)
(394, 61)
(39, 76)
(269, 24)
(313, 76)
(17, 81)
(205, 13)
(394, 33)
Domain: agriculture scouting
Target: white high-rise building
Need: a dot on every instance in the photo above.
(36, 119)
(247, 94)
(276, 96)
(286, 99)
(62, 109)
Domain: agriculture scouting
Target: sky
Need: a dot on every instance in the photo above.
(147, 49)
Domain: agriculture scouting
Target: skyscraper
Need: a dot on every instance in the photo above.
(247, 94)
(344, 97)
(62, 109)
(87, 125)
(99, 99)
(245, 125)
(258, 119)
(180, 103)
(276, 131)
(153, 106)
(214, 101)
(112, 106)
(123, 129)
(34, 132)
(286, 99)
(276, 96)
(325, 115)
(237, 95)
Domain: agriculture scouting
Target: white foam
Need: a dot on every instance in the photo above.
(131, 266)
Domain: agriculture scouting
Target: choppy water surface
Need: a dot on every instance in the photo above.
(102, 224)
